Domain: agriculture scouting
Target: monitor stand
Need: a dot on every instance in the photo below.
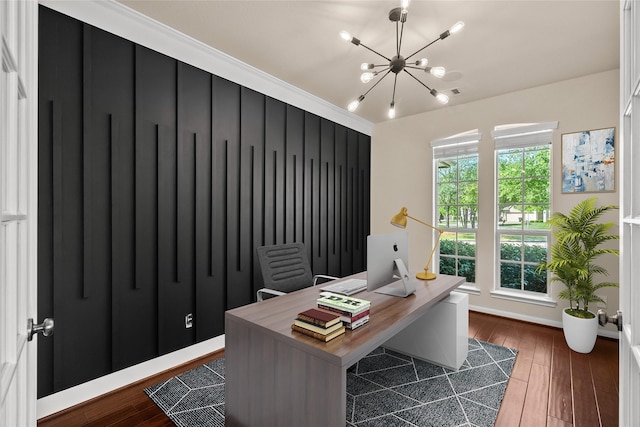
(407, 288)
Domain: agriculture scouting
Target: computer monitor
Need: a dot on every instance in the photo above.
(387, 261)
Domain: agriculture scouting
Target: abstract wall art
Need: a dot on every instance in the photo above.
(588, 161)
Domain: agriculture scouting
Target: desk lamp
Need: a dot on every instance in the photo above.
(400, 220)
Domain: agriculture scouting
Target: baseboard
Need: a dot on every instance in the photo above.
(538, 320)
(75, 395)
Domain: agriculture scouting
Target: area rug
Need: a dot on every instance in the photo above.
(385, 388)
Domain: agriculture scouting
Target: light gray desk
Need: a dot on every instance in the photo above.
(277, 377)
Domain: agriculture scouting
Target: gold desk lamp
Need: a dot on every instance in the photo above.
(400, 220)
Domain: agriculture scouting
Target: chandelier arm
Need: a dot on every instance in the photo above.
(377, 53)
(400, 41)
(397, 40)
(422, 48)
(376, 83)
(418, 80)
(393, 96)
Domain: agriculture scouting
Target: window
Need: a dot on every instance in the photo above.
(456, 187)
(523, 194)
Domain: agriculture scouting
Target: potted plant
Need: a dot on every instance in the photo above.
(577, 246)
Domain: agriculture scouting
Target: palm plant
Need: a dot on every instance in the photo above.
(578, 237)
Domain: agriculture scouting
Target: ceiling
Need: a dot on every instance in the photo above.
(505, 46)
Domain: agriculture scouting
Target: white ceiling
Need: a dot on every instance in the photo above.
(505, 46)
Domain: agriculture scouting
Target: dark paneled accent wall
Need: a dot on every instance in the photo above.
(157, 181)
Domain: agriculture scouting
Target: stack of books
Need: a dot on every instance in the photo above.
(319, 324)
(354, 312)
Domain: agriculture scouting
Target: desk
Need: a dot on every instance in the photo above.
(277, 377)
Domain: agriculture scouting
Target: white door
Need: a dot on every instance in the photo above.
(18, 204)
(629, 154)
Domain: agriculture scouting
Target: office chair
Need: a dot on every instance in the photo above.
(285, 268)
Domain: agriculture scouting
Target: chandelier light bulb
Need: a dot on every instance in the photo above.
(353, 105)
(422, 62)
(404, 4)
(438, 72)
(457, 27)
(392, 111)
(366, 66)
(442, 98)
(346, 36)
(366, 77)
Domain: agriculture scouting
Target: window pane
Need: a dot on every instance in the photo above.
(467, 268)
(510, 275)
(536, 190)
(468, 193)
(467, 244)
(468, 168)
(534, 281)
(535, 249)
(468, 217)
(448, 244)
(447, 194)
(510, 191)
(510, 164)
(511, 247)
(448, 265)
(536, 161)
(447, 171)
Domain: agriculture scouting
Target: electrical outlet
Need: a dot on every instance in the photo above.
(188, 321)
(602, 304)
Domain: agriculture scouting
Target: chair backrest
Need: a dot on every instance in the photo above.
(285, 267)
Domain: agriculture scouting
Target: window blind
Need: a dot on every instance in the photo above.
(524, 136)
(456, 145)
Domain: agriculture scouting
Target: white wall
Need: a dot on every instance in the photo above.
(401, 172)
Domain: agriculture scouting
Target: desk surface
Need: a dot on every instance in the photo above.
(389, 315)
(279, 377)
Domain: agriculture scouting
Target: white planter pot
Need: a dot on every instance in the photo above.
(580, 334)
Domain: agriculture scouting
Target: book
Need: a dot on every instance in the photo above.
(357, 323)
(316, 328)
(319, 317)
(318, 336)
(343, 312)
(343, 302)
(345, 316)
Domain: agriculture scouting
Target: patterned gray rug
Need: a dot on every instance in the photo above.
(385, 388)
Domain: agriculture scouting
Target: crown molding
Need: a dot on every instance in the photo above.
(118, 19)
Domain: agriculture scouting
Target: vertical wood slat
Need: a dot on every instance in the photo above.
(179, 159)
(58, 231)
(87, 211)
(57, 155)
(113, 186)
(136, 138)
(211, 215)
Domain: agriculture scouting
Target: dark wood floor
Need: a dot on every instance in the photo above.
(550, 384)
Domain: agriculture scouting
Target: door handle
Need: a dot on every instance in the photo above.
(46, 327)
(616, 319)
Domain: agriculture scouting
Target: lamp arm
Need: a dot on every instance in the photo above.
(424, 223)
(433, 251)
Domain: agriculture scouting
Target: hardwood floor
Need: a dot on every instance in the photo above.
(550, 384)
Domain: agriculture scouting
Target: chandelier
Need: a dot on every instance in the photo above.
(399, 63)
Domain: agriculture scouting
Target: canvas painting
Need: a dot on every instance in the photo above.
(588, 161)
